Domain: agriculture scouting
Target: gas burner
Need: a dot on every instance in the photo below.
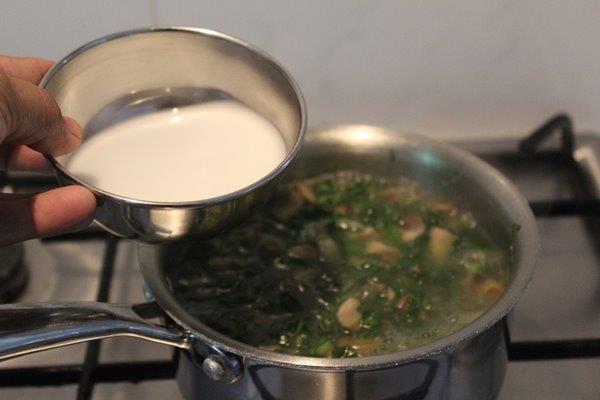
(553, 340)
(13, 274)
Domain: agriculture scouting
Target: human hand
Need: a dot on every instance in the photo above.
(31, 124)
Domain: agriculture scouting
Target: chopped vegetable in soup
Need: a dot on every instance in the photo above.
(345, 265)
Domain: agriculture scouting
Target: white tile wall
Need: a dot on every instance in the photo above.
(465, 67)
(53, 28)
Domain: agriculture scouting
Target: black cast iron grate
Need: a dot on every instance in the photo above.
(91, 371)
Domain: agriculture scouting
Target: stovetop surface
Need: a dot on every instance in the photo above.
(562, 302)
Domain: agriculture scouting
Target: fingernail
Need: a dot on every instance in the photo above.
(73, 127)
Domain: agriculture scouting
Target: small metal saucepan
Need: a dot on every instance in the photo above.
(135, 72)
(468, 364)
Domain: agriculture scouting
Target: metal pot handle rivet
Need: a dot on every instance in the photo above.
(213, 368)
(216, 363)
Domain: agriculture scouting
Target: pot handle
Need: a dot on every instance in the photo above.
(33, 327)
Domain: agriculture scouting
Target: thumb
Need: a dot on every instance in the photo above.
(30, 116)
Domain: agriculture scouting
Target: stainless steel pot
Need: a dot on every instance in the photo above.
(134, 72)
(468, 364)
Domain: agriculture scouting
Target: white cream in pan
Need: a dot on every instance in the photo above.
(186, 154)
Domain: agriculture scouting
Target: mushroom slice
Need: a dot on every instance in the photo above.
(369, 233)
(348, 315)
(404, 303)
(445, 208)
(343, 209)
(440, 244)
(363, 347)
(383, 251)
(390, 294)
(412, 227)
(492, 289)
(306, 191)
(329, 249)
(393, 194)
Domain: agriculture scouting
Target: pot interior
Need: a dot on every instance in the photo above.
(451, 173)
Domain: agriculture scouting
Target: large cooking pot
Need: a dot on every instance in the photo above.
(468, 364)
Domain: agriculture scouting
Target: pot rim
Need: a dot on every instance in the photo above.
(266, 57)
(526, 250)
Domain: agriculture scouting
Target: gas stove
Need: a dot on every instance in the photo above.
(553, 335)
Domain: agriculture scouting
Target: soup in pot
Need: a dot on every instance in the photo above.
(345, 265)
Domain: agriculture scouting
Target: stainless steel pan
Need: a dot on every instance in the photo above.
(469, 364)
(130, 73)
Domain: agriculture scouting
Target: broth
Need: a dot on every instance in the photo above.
(345, 265)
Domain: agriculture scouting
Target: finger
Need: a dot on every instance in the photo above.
(22, 158)
(45, 214)
(30, 116)
(26, 68)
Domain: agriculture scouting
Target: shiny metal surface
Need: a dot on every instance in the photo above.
(213, 368)
(586, 155)
(474, 370)
(469, 364)
(457, 175)
(32, 327)
(217, 364)
(129, 73)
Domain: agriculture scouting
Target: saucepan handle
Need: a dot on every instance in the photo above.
(29, 328)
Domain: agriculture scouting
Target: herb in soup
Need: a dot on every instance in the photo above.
(345, 265)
